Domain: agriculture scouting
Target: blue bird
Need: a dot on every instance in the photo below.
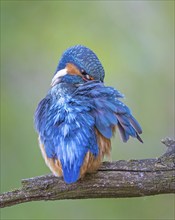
(79, 116)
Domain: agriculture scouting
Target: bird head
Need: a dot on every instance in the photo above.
(80, 63)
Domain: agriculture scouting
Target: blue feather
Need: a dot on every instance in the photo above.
(67, 131)
(67, 117)
(109, 111)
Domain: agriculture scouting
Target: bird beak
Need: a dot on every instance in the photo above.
(56, 79)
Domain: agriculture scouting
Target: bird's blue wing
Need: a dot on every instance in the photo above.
(109, 112)
(67, 132)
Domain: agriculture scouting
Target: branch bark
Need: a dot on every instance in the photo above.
(118, 179)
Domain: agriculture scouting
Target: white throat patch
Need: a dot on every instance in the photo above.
(56, 77)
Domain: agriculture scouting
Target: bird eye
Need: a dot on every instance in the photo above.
(86, 76)
(83, 72)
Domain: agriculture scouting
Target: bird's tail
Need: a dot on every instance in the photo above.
(71, 174)
(71, 170)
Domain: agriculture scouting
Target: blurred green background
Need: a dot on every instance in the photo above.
(135, 42)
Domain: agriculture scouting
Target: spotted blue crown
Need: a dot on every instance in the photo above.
(83, 58)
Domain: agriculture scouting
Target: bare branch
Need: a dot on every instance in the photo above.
(119, 179)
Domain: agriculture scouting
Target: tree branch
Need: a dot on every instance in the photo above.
(119, 179)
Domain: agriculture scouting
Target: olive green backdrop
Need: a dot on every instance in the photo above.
(134, 41)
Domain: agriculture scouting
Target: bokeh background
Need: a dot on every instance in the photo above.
(135, 42)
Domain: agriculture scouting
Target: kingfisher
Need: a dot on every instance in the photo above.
(79, 115)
